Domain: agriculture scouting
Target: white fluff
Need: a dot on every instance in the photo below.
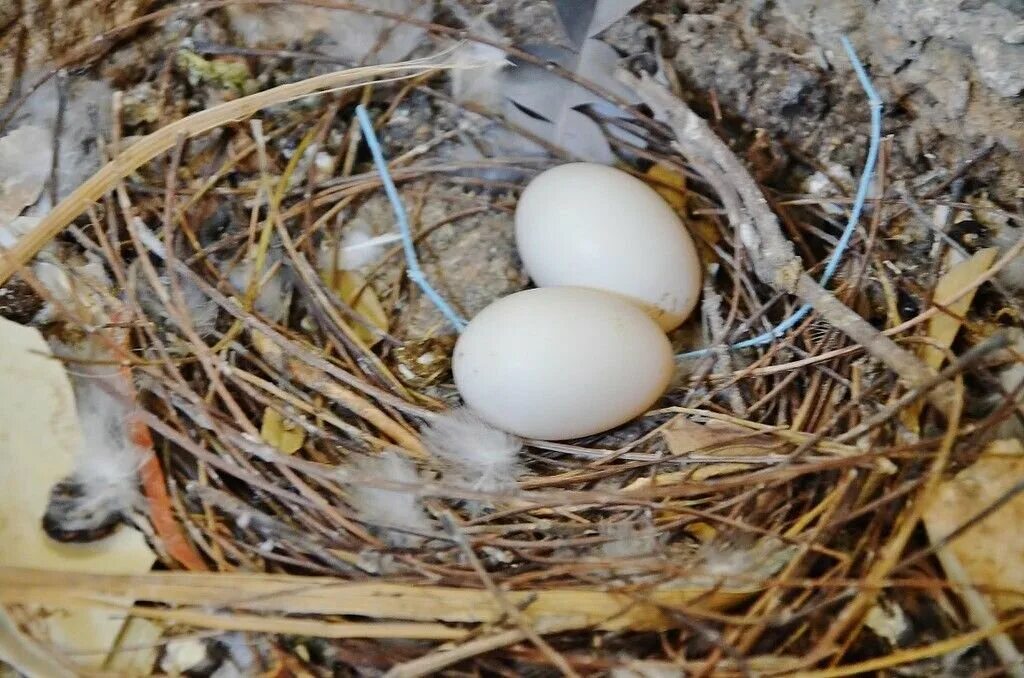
(107, 464)
(182, 654)
(358, 248)
(483, 457)
(12, 231)
(241, 659)
(201, 310)
(80, 285)
(274, 295)
(149, 239)
(728, 564)
(820, 185)
(477, 76)
(629, 540)
(390, 508)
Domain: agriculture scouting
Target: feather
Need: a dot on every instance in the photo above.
(104, 486)
(201, 311)
(729, 564)
(183, 654)
(82, 287)
(483, 457)
(241, 659)
(552, 107)
(629, 539)
(582, 20)
(648, 669)
(541, 102)
(274, 294)
(358, 248)
(400, 510)
(477, 76)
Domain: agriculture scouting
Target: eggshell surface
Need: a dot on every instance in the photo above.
(592, 225)
(561, 362)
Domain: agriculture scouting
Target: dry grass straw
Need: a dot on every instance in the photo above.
(779, 535)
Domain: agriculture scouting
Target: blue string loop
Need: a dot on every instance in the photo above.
(867, 174)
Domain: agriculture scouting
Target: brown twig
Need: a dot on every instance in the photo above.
(758, 228)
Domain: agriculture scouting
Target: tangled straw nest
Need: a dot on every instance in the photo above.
(738, 528)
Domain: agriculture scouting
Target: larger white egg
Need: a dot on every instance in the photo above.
(561, 362)
(595, 226)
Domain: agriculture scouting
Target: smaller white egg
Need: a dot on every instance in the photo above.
(595, 226)
(561, 362)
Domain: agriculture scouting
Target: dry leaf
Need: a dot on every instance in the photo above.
(701, 531)
(670, 185)
(353, 289)
(943, 327)
(40, 431)
(990, 552)
(684, 436)
(282, 433)
(22, 175)
(717, 438)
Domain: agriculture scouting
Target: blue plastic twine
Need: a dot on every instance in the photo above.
(414, 271)
(866, 176)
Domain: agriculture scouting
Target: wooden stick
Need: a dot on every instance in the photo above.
(774, 262)
(288, 594)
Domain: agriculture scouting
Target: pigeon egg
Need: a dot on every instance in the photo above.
(591, 225)
(561, 362)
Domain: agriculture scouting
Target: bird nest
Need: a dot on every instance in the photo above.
(309, 481)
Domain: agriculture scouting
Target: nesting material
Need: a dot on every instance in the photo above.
(645, 528)
(474, 453)
(561, 362)
(991, 551)
(397, 513)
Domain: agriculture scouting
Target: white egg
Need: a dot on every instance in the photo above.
(561, 362)
(596, 226)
